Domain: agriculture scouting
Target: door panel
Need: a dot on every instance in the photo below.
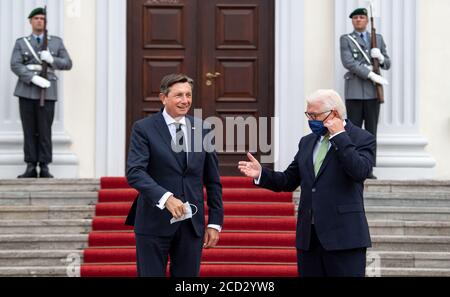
(231, 38)
(238, 43)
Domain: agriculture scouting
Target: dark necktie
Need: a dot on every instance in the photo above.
(38, 39)
(364, 39)
(180, 141)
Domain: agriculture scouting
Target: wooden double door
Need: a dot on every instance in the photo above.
(226, 46)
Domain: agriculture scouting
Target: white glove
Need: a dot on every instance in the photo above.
(47, 57)
(41, 82)
(376, 54)
(378, 79)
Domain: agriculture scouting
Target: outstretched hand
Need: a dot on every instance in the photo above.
(250, 169)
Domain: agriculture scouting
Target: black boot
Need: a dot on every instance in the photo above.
(371, 176)
(44, 172)
(30, 172)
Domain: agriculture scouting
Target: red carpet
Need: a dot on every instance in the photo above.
(258, 239)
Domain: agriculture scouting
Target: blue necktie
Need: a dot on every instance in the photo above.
(38, 39)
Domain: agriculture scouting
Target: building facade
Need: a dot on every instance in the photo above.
(92, 123)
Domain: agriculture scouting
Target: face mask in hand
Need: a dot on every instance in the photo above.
(187, 215)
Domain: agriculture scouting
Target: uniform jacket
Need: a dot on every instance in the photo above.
(358, 86)
(22, 57)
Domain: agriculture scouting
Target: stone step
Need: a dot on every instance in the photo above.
(21, 258)
(63, 271)
(414, 272)
(43, 241)
(48, 198)
(39, 271)
(45, 226)
(58, 197)
(386, 186)
(46, 212)
(410, 243)
(411, 228)
(82, 226)
(437, 228)
(79, 241)
(49, 185)
(401, 259)
(374, 213)
(391, 213)
(404, 199)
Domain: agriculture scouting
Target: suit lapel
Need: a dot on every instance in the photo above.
(331, 152)
(163, 130)
(310, 161)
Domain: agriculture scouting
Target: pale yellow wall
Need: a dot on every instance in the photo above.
(79, 85)
(434, 62)
(434, 78)
(319, 46)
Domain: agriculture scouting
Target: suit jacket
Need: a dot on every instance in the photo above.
(357, 83)
(22, 56)
(335, 196)
(153, 170)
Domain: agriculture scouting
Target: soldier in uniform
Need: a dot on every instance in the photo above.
(37, 121)
(360, 80)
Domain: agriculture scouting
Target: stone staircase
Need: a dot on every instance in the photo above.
(44, 227)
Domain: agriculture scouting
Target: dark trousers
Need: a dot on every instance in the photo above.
(317, 262)
(364, 111)
(37, 130)
(184, 249)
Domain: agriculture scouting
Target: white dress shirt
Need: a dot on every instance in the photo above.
(171, 124)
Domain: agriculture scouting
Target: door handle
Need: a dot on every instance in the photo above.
(210, 75)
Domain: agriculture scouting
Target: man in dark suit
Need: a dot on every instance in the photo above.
(169, 166)
(331, 166)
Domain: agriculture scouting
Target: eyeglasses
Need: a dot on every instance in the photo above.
(313, 116)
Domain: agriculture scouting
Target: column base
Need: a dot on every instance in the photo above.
(403, 157)
(65, 163)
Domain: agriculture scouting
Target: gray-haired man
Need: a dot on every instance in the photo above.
(37, 121)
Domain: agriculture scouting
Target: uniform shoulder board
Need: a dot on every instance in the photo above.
(21, 38)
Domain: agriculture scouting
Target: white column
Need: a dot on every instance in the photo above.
(289, 80)
(14, 23)
(111, 87)
(401, 148)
